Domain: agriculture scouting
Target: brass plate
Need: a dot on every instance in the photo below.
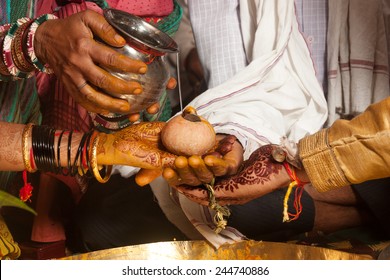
(201, 250)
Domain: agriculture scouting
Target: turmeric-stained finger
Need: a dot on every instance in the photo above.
(134, 117)
(225, 145)
(145, 176)
(185, 172)
(153, 109)
(171, 177)
(171, 83)
(200, 169)
(181, 162)
(217, 165)
(234, 158)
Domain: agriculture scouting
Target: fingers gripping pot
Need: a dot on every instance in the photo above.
(147, 43)
(189, 134)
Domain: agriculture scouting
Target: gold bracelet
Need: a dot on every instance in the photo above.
(25, 151)
(94, 165)
(18, 56)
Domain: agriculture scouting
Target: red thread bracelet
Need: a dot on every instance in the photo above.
(295, 182)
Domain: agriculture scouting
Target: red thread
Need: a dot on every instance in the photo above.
(25, 192)
(84, 157)
(298, 192)
(32, 161)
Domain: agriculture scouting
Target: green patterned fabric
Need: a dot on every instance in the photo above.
(169, 24)
(11, 10)
(19, 101)
(22, 8)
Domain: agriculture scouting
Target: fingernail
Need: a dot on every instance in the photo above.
(125, 108)
(137, 91)
(134, 117)
(119, 39)
(142, 70)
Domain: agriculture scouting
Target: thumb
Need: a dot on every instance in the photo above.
(100, 27)
(146, 176)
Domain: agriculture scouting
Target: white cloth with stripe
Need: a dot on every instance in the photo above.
(276, 95)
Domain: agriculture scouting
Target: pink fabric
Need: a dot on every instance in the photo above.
(144, 7)
(44, 7)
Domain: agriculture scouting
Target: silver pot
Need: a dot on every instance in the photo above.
(148, 44)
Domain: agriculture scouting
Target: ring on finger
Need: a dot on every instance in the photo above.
(80, 87)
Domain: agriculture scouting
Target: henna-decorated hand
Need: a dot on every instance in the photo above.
(81, 56)
(136, 145)
(196, 170)
(260, 175)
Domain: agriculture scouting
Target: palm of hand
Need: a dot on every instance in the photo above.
(197, 170)
(257, 177)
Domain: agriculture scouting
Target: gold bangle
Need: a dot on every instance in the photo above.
(25, 151)
(18, 56)
(94, 165)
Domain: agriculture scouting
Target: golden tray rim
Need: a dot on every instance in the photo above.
(202, 250)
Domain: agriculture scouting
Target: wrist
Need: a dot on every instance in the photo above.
(105, 149)
(298, 185)
(284, 179)
(37, 37)
(301, 175)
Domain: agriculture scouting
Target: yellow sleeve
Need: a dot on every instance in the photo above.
(350, 151)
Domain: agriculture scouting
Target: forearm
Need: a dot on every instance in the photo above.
(11, 150)
(349, 152)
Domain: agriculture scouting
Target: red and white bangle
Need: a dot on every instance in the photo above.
(7, 50)
(30, 43)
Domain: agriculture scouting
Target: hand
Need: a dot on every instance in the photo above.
(260, 175)
(68, 46)
(196, 170)
(154, 108)
(136, 145)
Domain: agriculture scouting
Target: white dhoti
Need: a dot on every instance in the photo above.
(276, 95)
